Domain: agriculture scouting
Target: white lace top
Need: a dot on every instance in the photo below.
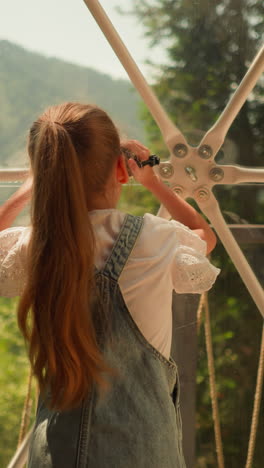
(167, 255)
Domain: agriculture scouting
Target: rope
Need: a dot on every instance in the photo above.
(256, 408)
(209, 348)
(26, 411)
(200, 312)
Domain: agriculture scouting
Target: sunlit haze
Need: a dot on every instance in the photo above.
(65, 29)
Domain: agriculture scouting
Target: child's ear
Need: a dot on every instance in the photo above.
(121, 170)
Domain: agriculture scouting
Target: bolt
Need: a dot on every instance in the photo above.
(202, 194)
(216, 174)
(191, 172)
(166, 170)
(205, 151)
(180, 150)
(178, 189)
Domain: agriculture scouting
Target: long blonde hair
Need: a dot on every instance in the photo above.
(72, 148)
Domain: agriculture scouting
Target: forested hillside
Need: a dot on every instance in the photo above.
(29, 82)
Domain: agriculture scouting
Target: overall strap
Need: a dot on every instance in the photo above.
(123, 246)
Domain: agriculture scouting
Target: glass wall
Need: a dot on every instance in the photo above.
(209, 46)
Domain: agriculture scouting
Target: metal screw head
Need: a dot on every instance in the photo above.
(178, 189)
(216, 174)
(202, 194)
(166, 170)
(180, 150)
(205, 151)
(191, 172)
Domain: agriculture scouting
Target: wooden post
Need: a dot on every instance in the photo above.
(184, 351)
(184, 344)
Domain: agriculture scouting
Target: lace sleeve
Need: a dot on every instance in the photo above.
(12, 270)
(186, 237)
(179, 252)
(192, 272)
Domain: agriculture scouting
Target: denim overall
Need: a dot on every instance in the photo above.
(136, 423)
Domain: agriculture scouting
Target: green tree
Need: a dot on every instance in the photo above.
(209, 45)
(14, 373)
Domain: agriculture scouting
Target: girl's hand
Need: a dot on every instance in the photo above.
(144, 175)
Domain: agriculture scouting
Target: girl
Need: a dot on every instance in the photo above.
(96, 291)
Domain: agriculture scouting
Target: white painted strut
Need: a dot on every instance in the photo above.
(169, 131)
(13, 175)
(216, 135)
(242, 175)
(212, 211)
(21, 455)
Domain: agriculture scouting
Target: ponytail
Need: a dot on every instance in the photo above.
(54, 312)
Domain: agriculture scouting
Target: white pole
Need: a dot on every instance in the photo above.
(240, 175)
(216, 135)
(212, 211)
(21, 455)
(171, 133)
(13, 175)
